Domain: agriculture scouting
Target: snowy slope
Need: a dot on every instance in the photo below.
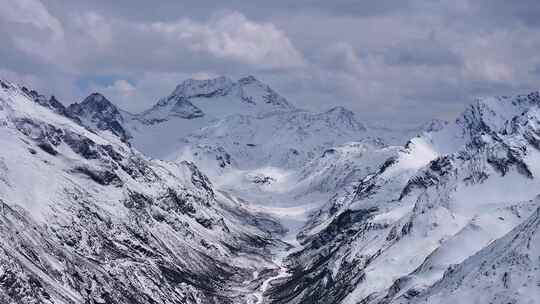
(397, 134)
(195, 104)
(506, 271)
(244, 118)
(371, 223)
(284, 139)
(282, 161)
(215, 98)
(396, 232)
(87, 219)
(251, 142)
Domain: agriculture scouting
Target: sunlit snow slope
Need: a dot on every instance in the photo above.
(442, 198)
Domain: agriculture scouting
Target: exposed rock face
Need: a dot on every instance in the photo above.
(288, 139)
(506, 271)
(87, 219)
(51, 102)
(96, 111)
(451, 217)
(219, 96)
(191, 106)
(439, 200)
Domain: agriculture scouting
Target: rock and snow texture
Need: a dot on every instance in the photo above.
(209, 120)
(220, 97)
(87, 219)
(287, 140)
(195, 104)
(97, 112)
(506, 271)
(451, 217)
(251, 142)
(215, 98)
(435, 202)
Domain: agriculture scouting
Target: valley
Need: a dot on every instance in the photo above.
(225, 192)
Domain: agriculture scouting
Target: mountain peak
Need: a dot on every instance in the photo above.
(340, 110)
(253, 91)
(495, 113)
(98, 102)
(247, 80)
(345, 117)
(216, 98)
(97, 112)
(203, 88)
(433, 125)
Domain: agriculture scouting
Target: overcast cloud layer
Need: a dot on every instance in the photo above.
(387, 60)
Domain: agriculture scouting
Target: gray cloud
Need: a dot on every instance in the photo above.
(536, 70)
(501, 12)
(170, 10)
(422, 52)
(411, 59)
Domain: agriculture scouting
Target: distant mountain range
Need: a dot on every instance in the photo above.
(225, 192)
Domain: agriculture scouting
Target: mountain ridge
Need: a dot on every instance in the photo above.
(370, 222)
(87, 218)
(196, 104)
(418, 199)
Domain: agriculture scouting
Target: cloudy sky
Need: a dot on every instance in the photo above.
(406, 60)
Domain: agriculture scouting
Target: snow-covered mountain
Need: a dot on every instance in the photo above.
(243, 134)
(506, 271)
(218, 117)
(279, 139)
(170, 211)
(397, 134)
(97, 112)
(451, 216)
(85, 218)
(195, 104)
(443, 197)
(216, 98)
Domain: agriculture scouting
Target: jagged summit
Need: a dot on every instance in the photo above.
(344, 117)
(48, 102)
(196, 104)
(247, 80)
(96, 102)
(203, 88)
(499, 113)
(442, 219)
(216, 98)
(87, 219)
(433, 203)
(96, 111)
(221, 86)
(339, 109)
(250, 88)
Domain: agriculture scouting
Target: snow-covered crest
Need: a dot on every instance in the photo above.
(85, 217)
(218, 98)
(394, 220)
(391, 238)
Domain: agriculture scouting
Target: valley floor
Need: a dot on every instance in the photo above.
(282, 203)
